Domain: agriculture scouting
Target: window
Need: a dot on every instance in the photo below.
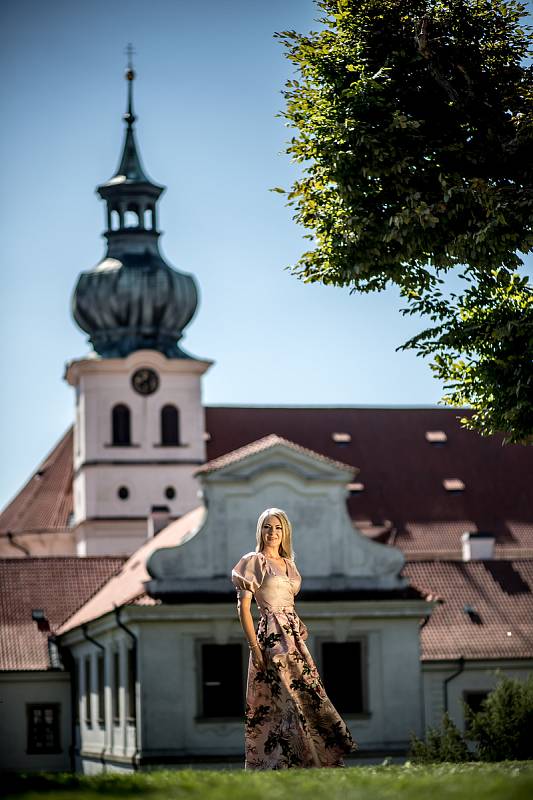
(170, 425)
(123, 492)
(341, 438)
(453, 485)
(436, 438)
(115, 220)
(116, 687)
(43, 728)
(132, 681)
(131, 217)
(474, 699)
(87, 695)
(222, 680)
(342, 673)
(121, 434)
(75, 677)
(101, 687)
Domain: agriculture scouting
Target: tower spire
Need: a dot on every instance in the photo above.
(133, 300)
(130, 168)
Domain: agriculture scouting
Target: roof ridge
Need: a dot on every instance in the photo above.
(264, 443)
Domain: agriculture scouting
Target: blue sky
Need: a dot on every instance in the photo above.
(208, 90)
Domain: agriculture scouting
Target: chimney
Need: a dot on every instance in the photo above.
(477, 546)
(157, 520)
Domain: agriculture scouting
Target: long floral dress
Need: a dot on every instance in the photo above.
(290, 721)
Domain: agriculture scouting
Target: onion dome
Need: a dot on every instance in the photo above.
(133, 299)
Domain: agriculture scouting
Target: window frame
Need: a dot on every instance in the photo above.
(115, 687)
(56, 723)
(87, 691)
(115, 425)
(131, 685)
(464, 693)
(362, 638)
(199, 642)
(100, 677)
(173, 441)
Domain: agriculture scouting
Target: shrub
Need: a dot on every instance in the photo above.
(502, 729)
(447, 744)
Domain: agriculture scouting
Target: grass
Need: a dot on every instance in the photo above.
(510, 780)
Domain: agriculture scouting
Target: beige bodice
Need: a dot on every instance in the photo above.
(273, 589)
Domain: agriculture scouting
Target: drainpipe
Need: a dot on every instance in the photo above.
(449, 678)
(133, 637)
(11, 539)
(102, 648)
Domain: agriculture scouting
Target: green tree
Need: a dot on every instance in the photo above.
(502, 728)
(414, 129)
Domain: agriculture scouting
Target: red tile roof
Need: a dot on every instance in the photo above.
(402, 473)
(500, 596)
(45, 502)
(266, 443)
(58, 585)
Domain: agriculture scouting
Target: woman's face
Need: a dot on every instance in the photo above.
(272, 532)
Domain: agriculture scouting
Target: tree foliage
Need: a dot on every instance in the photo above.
(502, 728)
(499, 731)
(414, 129)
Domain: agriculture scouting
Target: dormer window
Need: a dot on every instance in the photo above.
(437, 438)
(341, 438)
(453, 485)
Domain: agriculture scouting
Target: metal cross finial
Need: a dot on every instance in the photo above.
(130, 51)
(129, 116)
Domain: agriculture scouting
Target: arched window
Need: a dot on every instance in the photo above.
(121, 425)
(131, 217)
(115, 220)
(148, 219)
(170, 429)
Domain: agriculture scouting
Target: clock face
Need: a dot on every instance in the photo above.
(145, 381)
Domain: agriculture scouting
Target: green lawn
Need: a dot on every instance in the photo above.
(505, 781)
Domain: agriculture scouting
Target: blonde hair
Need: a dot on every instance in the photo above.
(285, 548)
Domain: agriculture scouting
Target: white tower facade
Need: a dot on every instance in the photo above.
(139, 435)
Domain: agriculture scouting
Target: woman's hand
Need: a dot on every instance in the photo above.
(304, 633)
(258, 658)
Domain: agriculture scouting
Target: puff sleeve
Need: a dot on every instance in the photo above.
(247, 575)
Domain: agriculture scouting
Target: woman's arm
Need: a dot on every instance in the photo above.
(247, 622)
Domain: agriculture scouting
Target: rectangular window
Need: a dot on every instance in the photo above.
(87, 696)
(132, 681)
(116, 687)
(101, 687)
(76, 699)
(43, 728)
(342, 674)
(222, 680)
(473, 700)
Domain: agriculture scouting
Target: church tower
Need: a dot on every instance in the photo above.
(139, 427)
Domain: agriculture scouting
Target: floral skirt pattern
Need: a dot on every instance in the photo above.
(290, 721)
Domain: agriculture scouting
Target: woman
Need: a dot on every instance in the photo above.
(290, 720)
